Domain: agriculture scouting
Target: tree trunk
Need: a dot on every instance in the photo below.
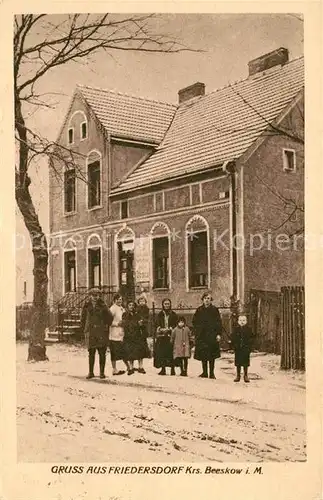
(37, 348)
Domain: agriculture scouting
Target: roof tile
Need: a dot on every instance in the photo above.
(219, 126)
(128, 116)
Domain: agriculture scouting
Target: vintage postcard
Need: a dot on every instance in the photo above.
(161, 223)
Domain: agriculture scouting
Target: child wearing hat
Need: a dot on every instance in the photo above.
(181, 341)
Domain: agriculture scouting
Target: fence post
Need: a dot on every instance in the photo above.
(293, 328)
(153, 325)
(302, 337)
(297, 328)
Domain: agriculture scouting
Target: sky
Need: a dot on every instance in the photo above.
(227, 42)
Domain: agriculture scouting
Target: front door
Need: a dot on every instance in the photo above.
(126, 269)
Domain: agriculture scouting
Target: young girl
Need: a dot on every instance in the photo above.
(181, 341)
(135, 343)
(116, 335)
(241, 341)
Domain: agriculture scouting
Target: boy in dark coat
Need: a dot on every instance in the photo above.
(95, 321)
(241, 341)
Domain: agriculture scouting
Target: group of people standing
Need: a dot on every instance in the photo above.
(126, 332)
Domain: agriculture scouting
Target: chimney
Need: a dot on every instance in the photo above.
(194, 90)
(274, 58)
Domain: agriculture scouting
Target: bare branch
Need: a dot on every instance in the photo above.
(273, 129)
(80, 36)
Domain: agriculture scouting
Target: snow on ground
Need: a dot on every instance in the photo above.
(62, 417)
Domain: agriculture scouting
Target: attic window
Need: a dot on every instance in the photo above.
(83, 130)
(70, 135)
(124, 209)
(289, 160)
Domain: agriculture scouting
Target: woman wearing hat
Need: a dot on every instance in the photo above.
(95, 321)
(207, 327)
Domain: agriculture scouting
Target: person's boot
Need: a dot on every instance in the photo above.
(172, 371)
(204, 373)
(211, 364)
(237, 379)
(245, 375)
(162, 371)
(91, 363)
(102, 366)
(185, 364)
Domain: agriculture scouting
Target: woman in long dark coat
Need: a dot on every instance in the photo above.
(95, 321)
(241, 341)
(143, 313)
(207, 326)
(135, 339)
(163, 351)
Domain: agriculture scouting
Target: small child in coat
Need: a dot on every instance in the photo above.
(241, 341)
(181, 341)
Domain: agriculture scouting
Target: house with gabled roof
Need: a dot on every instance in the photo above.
(176, 199)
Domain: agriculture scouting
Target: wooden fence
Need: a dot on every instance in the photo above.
(293, 328)
(264, 319)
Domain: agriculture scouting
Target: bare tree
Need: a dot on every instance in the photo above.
(40, 45)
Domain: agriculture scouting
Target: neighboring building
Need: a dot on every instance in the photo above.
(161, 190)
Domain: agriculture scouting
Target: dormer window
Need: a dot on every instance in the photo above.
(83, 131)
(70, 135)
(289, 160)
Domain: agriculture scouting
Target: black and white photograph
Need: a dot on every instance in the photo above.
(160, 242)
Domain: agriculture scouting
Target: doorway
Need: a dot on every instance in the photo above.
(126, 269)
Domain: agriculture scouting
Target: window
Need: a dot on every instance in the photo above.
(224, 194)
(94, 256)
(124, 210)
(70, 271)
(70, 135)
(289, 160)
(94, 184)
(69, 191)
(197, 253)
(160, 255)
(83, 130)
(160, 262)
(125, 239)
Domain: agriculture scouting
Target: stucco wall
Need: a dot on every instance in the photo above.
(280, 261)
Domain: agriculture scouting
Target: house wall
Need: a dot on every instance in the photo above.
(173, 198)
(217, 216)
(124, 157)
(121, 157)
(95, 141)
(218, 219)
(279, 262)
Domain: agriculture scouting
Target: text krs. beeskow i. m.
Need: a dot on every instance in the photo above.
(182, 469)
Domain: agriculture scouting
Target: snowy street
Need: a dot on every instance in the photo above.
(62, 417)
